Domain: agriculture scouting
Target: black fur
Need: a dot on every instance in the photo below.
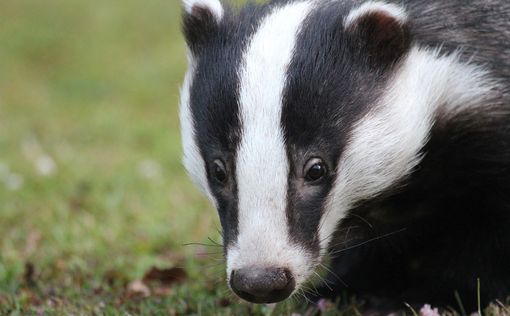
(449, 223)
(454, 210)
(478, 27)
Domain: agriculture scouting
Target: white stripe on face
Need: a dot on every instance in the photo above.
(192, 159)
(262, 166)
(386, 144)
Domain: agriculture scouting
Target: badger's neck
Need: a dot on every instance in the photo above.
(386, 144)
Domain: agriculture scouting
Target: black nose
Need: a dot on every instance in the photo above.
(262, 285)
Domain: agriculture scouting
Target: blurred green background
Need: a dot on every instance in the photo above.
(92, 191)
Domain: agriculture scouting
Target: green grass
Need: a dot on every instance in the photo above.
(92, 86)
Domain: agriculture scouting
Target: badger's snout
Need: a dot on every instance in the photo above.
(262, 285)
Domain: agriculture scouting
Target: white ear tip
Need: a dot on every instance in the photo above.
(390, 9)
(214, 6)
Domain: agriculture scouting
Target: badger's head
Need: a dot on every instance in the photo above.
(291, 113)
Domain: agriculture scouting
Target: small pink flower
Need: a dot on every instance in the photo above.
(427, 310)
(324, 305)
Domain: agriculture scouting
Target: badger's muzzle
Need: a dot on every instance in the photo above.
(262, 285)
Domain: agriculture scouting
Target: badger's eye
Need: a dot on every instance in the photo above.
(314, 170)
(218, 171)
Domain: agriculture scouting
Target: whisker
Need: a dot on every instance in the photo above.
(297, 294)
(214, 253)
(366, 242)
(362, 219)
(200, 244)
(335, 232)
(303, 291)
(334, 274)
(308, 288)
(347, 234)
(219, 231)
(323, 281)
(342, 242)
(219, 244)
(348, 229)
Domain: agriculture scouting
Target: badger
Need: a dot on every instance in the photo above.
(373, 136)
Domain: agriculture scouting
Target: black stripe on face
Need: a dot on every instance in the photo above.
(330, 85)
(215, 108)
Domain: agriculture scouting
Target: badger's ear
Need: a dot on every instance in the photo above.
(380, 29)
(201, 18)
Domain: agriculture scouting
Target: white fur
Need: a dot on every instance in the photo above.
(214, 6)
(370, 7)
(192, 159)
(262, 166)
(386, 145)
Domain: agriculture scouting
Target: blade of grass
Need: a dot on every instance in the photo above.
(461, 306)
(478, 296)
(411, 308)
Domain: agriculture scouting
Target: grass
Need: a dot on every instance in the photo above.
(92, 192)
(91, 185)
